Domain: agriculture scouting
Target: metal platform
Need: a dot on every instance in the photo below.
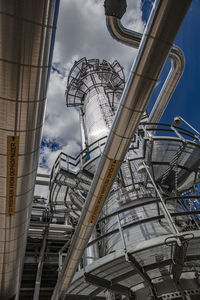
(139, 270)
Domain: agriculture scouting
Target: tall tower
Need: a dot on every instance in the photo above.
(95, 87)
(146, 242)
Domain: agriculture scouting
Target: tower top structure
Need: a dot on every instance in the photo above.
(89, 74)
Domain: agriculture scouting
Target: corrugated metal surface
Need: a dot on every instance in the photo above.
(27, 38)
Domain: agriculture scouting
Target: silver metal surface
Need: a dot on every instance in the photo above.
(91, 252)
(133, 39)
(96, 86)
(158, 37)
(131, 189)
(96, 121)
(115, 268)
(27, 39)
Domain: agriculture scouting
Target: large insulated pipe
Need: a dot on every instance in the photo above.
(27, 40)
(157, 40)
(133, 39)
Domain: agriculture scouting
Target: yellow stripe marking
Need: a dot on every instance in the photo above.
(105, 186)
(12, 169)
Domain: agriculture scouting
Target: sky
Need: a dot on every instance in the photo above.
(81, 32)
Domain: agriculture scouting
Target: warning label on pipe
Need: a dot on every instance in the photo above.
(12, 167)
(105, 186)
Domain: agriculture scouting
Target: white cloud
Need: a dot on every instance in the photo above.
(48, 157)
(82, 31)
(61, 124)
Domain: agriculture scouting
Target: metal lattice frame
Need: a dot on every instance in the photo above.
(88, 74)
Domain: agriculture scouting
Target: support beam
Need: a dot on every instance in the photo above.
(40, 267)
(178, 259)
(165, 210)
(81, 297)
(42, 182)
(96, 292)
(107, 284)
(124, 276)
(142, 273)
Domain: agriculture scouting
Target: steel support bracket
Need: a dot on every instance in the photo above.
(142, 273)
(109, 285)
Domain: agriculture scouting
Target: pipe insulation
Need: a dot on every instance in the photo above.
(27, 40)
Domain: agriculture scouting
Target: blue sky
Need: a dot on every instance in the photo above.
(82, 31)
(186, 99)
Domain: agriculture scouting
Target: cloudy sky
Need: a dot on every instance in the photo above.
(82, 32)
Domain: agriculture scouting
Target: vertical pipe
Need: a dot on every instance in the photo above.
(40, 267)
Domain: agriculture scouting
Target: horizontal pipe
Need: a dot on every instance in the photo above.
(158, 37)
(43, 175)
(42, 182)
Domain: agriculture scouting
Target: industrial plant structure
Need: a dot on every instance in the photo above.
(122, 221)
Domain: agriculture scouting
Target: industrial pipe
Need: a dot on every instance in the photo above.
(27, 40)
(158, 37)
(40, 266)
(133, 39)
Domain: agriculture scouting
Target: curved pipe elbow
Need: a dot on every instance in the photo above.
(122, 34)
(178, 58)
(177, 67)
(176, 55)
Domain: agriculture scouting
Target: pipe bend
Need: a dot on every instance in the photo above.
(178, 58)
(122, 34)
(132, 38)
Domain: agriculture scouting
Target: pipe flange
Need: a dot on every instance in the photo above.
(115, 8)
